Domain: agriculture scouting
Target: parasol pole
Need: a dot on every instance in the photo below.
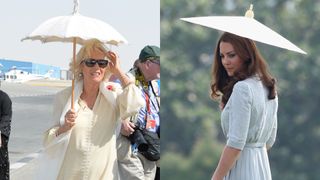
(75, 11)
(73, 72)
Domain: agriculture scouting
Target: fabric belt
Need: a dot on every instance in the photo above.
(255, 145)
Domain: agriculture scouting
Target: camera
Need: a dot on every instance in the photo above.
(137, 138)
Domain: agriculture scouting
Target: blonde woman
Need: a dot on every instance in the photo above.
(82, 142)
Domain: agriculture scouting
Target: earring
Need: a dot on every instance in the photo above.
(80, 74)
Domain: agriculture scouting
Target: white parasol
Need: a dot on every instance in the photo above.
(245, 26)
(75, 28)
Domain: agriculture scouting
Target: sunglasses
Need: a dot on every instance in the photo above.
(92, 62)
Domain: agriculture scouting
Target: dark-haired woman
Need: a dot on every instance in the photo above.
(249, 104)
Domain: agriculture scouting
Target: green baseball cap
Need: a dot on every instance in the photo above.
(150, 53)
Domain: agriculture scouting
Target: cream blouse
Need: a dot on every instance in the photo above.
(91, 152)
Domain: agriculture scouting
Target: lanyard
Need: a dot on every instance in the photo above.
(147, 103)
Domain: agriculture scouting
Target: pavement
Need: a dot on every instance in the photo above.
(32, 109)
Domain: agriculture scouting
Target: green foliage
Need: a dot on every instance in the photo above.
(198, 166)
(191, 135)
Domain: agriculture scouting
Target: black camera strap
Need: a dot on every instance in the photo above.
(156, 95)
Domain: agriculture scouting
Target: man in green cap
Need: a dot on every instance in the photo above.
(134, 163)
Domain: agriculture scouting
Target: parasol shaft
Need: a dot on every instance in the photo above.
(73, 71)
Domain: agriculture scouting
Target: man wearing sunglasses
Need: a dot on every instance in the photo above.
(132, 162)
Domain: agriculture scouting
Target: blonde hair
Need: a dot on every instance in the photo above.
(85, 52)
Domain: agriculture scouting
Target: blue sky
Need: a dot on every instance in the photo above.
(137, 20)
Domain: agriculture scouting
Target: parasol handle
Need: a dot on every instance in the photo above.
(72, 95)
(249, 12)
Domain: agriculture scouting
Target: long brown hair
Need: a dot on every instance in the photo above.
(254, 64)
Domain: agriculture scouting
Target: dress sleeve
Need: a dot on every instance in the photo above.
(58, 105)
(130, 101)
(272, 138)
(239, 117)
(50, 135)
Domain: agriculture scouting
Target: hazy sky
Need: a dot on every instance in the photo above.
(137, 20)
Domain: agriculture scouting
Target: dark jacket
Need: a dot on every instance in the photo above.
(5, 114)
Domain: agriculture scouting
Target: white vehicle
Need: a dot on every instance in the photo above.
(20, 76)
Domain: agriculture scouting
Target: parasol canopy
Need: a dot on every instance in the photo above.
(75, 28)
(245, 26)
